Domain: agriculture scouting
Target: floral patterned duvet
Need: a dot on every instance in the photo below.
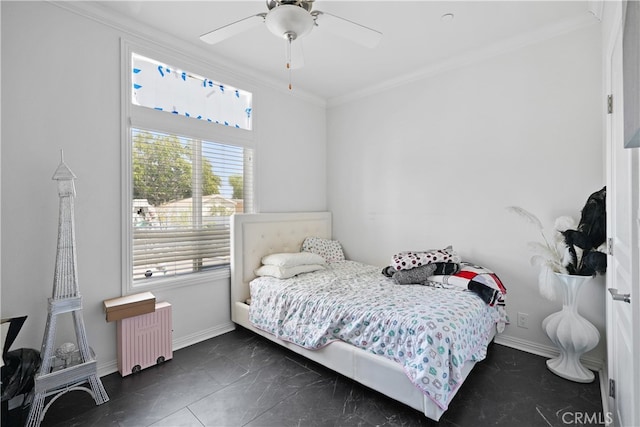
(430, 331)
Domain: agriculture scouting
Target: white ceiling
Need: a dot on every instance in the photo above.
(415, 38)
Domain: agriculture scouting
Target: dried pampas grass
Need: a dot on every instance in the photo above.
(528, 216)
(547, 283)
(565, 223)
(549, 256)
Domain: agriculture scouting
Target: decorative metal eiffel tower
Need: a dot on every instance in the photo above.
(51, 379)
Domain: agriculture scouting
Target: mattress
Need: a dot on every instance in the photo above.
(431, 332)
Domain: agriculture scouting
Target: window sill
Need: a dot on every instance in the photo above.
(205, 277)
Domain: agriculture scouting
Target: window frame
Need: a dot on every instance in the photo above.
(135, 116)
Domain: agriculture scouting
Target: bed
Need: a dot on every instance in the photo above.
(256, 235)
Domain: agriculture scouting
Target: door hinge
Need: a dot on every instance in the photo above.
(610, 246)
(612, 388)
(610, 104)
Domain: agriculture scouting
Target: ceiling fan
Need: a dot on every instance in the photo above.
(291, 20)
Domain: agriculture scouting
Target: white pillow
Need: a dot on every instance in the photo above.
(286, 272)
(293, 259)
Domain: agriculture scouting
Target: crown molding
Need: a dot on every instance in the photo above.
(475, 56)
(596, 7)
(133, 28)
(235, 74)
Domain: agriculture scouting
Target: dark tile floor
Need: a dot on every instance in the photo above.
(242, 379)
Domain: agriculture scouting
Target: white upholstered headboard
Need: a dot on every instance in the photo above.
(255, 235)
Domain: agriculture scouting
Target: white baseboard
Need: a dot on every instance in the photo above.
(203, 335)
(107, 368)
(111, 366)
(589, 362)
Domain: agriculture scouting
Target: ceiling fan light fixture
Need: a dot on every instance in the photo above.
(289, 21)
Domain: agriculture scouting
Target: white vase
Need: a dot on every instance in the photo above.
(571, 333)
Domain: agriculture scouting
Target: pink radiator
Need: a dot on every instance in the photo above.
(144, 340)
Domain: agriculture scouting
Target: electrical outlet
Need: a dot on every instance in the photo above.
(523, 320)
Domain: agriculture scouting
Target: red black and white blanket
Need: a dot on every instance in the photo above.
(475, 278)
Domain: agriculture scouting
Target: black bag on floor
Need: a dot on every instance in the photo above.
(19, 370)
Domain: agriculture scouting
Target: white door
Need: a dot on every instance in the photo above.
(623, 277)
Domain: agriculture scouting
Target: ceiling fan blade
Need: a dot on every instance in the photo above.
(355, 32)
(230, 30)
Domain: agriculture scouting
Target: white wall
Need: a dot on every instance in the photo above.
(424, 165)
(61, 90)
(436, 161)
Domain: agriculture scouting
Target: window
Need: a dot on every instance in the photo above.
(166, 88)
(184, 177)
(184, 192)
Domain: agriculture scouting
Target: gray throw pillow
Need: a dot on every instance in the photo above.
(416, 275)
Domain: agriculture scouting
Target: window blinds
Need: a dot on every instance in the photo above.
(184, 193)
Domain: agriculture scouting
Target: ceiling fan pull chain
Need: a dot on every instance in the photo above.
(289, 41)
